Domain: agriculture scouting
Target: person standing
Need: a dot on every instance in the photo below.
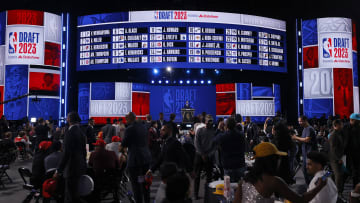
(73, 163)
(336, 152)
(251, 133)
(41, 131)
(139, 157)
(175, 130)
(352, 136)
(308, 142)
(232, 146)
(90, 134)
(161, 121)
(108, 131)
(204, 158)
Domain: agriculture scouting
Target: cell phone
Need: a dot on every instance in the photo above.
(326, 175)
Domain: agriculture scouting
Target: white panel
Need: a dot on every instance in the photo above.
(334, 25)
(122, 91)
(52, 27)
(335, 50)
(2, 65)
(207, 17)
(108, 108)
(255, 107)
(356, 100)
(24, 45)
(318, 83)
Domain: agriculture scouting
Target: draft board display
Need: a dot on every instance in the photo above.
(330, 78)
(180, 39)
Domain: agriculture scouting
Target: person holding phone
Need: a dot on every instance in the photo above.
(316, 161)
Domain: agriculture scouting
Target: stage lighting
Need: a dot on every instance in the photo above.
(160, 81)
(168, 69)
(155, 71)
(166, 81)
(202, 71)
(188, 82)
(202, 82)
(188, 71)
(217, 71)
(174, 82)
(33, 120)
(181, 82)
(152, 82)
(195, 81)
(209, 81)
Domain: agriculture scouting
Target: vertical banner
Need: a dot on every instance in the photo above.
(343, 92)
(83, 101)
(1, 100)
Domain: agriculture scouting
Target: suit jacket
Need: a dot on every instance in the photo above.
(137, 141)
(173, 151)
(90, 134)
(73, 162)
(159, 123)
(41, 132)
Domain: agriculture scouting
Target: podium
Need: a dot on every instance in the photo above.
(187, 115)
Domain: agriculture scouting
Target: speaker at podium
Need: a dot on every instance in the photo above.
(187, 113)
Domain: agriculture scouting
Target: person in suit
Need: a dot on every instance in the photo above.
(161, 121)
(139, 157)
(41, 132)
(187, 105)
(73, 163)
(90, 134)
(108, 130)
(174, 128)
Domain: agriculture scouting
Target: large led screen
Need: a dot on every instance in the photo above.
(181, 39)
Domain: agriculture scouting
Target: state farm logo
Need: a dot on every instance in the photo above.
(13, 40)
(327, 47)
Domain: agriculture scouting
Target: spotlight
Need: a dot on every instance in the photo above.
(188, 82)
(152, 82)
(160, 81)
(202, 71)
(155, 71)
(217, 71)
(181, 82)
(187, 71)
(202, 82)
(167, 82)
(195, 81)
(209, 81)
(174, 81)
(168, 69)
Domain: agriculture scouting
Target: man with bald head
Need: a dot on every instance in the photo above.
(139, 157)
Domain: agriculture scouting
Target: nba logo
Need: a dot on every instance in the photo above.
(12, 42)
(327, 47)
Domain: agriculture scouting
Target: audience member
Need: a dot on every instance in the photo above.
(261, 183)
(114, 146)
(90, 134)
(251, 133)
(154, 140)
(205, 152)
(108, 131)
(355, 194)
(352, 135)
(232, 146)
(42, 132)
(316, 161)
(73, 163)
(161, 121)
(139, 157)
(38, 166)
(174, 128)
(52, 161)
(177, 189)
(308, 142)
(166, 170)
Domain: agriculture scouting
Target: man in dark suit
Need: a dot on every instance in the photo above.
(108, 131)
(73, 163)
(172, 151)
(41, 131)
(90, 134)
(161, 121)
(139, 157)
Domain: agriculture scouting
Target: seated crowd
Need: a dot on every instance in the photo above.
(262, 159)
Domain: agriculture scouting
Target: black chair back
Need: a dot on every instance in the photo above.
(25, 173)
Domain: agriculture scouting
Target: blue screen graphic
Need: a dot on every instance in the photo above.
(83, 101)
(315, 108)
(102, 91)
(171, 99)
(44, 108)
(16, 85)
